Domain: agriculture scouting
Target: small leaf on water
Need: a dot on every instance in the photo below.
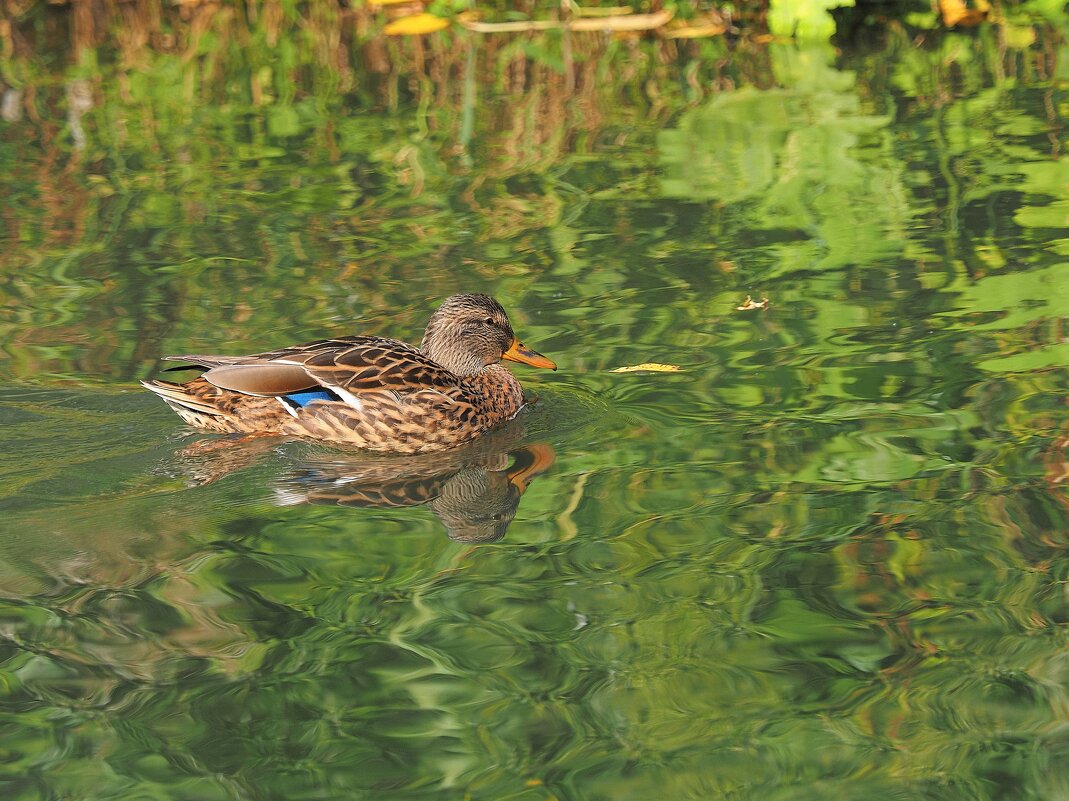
(650, 367)
(750, 304)
(956, 13)
(416, 25)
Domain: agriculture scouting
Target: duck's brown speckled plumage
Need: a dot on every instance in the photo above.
(386, 395)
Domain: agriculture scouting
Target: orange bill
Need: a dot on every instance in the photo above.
(519, 352)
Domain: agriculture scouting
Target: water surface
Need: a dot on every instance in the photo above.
(827, 556)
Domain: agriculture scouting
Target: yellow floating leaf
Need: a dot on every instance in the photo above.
(649, 367)
(952, 11)
(956, 13)
(389, 2)
(416, 25)
(696, 31)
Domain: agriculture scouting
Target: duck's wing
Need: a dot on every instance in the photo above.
(349, 364)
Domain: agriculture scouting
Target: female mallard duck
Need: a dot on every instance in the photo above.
(375, 393)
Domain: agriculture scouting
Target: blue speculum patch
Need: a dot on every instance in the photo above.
(302, 399)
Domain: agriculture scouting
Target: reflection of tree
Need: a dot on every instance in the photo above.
(161, 214)
(795, 156)
(288, 182)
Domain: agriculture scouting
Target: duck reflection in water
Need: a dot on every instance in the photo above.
(474, 490)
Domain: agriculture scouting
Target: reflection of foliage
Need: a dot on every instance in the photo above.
(796, 152)
(828, 552)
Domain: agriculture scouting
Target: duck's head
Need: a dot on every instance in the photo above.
(469, 332)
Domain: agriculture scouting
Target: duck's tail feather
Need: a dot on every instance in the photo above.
(179, 395)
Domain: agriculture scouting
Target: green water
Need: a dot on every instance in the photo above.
(826, 558)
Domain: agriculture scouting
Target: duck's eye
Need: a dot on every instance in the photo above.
(489, 321)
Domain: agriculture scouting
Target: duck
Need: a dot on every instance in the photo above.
(371, 392)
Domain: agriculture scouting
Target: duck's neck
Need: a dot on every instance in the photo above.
(497, 392)
(452, 358)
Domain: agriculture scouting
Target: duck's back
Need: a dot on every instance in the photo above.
(417, 408)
